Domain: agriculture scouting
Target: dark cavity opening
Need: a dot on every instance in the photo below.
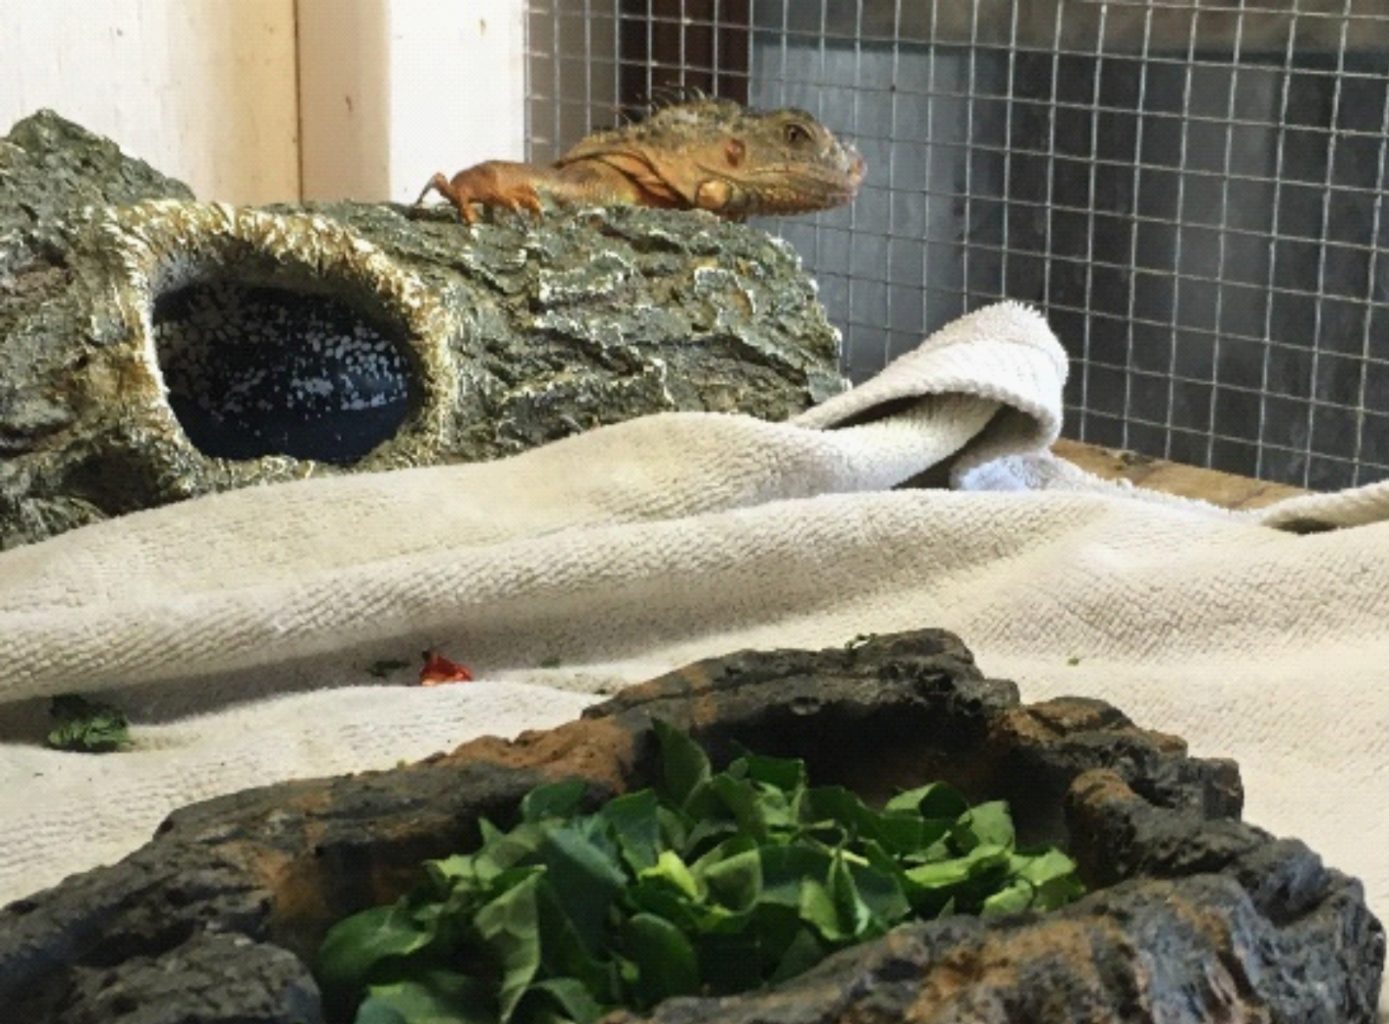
(256, 368)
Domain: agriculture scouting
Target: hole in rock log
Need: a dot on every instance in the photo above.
(256, 369)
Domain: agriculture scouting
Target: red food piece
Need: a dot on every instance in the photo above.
(438, 669)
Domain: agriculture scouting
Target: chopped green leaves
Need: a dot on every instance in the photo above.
(435, 997)
(984, 824)
(383, 667)
(86, 726)
(712, 882)
(357, 946)
(556, 800)
(636, 826)
(509, 927)
(666, 961)
(684, 765)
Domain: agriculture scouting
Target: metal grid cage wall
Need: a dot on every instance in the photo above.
(1192, 191)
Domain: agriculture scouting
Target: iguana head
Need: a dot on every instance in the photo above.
(718, 156)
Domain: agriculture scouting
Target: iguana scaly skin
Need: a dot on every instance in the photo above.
(707, 154)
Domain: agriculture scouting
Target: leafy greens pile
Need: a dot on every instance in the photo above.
(709, 883)
(87, 726)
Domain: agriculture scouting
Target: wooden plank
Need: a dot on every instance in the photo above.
(391, 91)
(344, 99)
(1225, 489)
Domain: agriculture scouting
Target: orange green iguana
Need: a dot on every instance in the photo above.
(706, 154)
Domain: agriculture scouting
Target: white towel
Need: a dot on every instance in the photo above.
(238, 628)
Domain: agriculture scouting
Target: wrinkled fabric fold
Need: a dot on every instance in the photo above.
(239, 628)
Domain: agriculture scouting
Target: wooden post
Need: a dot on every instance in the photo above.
(391, 91)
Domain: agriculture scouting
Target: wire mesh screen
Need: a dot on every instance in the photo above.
(1191, 191)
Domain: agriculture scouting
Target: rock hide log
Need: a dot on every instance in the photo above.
(153, 348)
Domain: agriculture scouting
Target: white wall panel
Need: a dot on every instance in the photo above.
(205, 90)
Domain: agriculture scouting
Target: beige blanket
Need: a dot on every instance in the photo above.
(239, 628)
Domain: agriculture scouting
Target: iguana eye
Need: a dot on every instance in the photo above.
(796, 134)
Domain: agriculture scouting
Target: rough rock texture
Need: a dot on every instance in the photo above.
(1195, 916)
(153, 348)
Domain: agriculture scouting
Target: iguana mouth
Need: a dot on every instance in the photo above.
(796, 188)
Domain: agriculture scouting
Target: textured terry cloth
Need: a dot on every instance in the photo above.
(238, 628)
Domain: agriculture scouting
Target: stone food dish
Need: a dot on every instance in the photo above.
(1192, 914)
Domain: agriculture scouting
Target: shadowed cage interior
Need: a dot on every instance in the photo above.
(1191, 190)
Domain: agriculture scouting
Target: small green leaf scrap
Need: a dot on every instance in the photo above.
(86, 726)
(383, 667)
(708, 883)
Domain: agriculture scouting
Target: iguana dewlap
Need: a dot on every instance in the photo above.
(708, 154)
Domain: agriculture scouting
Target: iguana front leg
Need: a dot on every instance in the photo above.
(494, 183)
(518, 186)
